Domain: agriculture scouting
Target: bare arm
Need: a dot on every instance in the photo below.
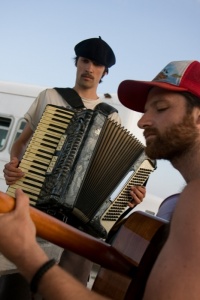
(11, 171)
(20, 144)
(57, 284)
(176, 272)
(18, 248)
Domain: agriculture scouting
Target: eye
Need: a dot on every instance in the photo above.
(85, 60)
(162, 108)
(97, 64)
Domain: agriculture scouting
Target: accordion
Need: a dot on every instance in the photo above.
(74, 162)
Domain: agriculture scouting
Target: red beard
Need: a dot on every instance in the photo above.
(176, 140)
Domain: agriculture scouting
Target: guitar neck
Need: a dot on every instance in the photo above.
(65, 236)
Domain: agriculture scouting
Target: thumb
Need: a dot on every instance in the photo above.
(14, 161)
(22, 200)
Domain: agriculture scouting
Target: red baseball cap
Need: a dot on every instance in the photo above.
(177, 76)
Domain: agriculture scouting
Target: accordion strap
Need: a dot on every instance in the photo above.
(75, 101)
(105, 108)
(71, 96)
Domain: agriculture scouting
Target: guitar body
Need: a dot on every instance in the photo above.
(140, 240)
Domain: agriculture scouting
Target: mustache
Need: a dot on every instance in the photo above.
(149, 131)
(86, 74)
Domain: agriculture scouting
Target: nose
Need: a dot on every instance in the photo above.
(89, 66)
(145, 121)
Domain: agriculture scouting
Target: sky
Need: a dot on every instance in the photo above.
(38, 39)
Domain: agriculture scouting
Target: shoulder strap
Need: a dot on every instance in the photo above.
(75, 101)
(71, 96)
(105, 108)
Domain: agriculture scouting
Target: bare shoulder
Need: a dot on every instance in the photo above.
(175, 274)
(189, 201)
(186, 215)
(192, 187)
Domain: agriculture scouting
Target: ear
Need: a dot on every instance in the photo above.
(197, 115)
(104, 73)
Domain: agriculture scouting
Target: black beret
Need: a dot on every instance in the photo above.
(97, 50)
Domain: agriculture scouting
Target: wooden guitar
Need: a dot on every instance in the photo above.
(125, 265)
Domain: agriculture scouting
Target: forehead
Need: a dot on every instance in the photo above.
(159, 95)
(90, 60)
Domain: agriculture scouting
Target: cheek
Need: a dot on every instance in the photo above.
(99, 74)
(165, 120)
(79, 72)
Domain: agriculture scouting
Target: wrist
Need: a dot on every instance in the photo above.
(28, 267)
(35, 281)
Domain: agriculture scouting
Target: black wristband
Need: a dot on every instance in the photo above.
(38, 275)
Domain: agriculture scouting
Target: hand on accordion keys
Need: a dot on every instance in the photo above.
(137, 193)
(11, 171)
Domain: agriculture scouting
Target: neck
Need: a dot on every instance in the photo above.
(86, 93)
(188, 164)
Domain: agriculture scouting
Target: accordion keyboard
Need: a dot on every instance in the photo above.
(41, 153)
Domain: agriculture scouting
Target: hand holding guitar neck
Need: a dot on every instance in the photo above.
(68, 237)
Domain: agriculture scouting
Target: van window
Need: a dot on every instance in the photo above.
(5, 126)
